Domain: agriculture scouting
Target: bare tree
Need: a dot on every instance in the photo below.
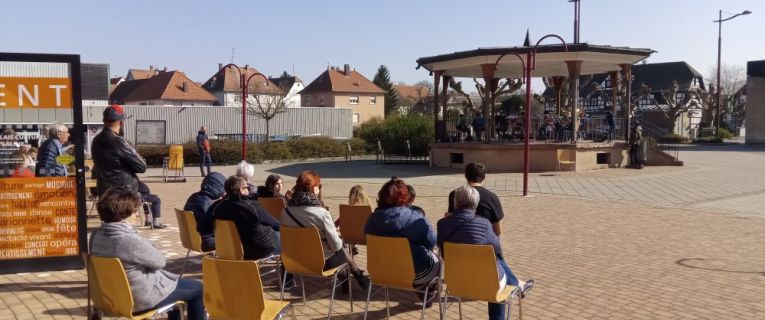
(267, 103)
(674, 104)
(732, 79)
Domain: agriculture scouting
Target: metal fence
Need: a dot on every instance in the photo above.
(557, 129)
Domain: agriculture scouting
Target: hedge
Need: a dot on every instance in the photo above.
(673, 138)
(393, 132)
(227, 152)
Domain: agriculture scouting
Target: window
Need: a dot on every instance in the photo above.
(307, 101)
(372, 99)
(353, 99)
(355, 118)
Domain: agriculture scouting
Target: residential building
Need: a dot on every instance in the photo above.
(114, 82)
(140, 74)
(225, 85)
(292, 85)
(345, 88)
(165, 88)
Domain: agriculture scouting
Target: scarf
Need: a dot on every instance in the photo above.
(302, 199)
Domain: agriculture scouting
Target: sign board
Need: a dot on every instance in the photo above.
(150, 132)
(42, 218)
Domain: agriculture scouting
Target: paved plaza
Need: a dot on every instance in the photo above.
(659, 243)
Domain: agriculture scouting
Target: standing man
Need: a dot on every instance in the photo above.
(637, 154)
(203, 145)
(116, 162)
(489, 206)
(611, 124)
(58, 134)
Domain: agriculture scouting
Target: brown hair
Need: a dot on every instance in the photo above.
(117, 204)
(233, 185)
(393, 193)
(475, 172)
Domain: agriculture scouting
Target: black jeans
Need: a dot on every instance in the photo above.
(155, 204)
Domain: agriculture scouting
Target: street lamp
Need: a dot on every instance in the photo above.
(719, 55)
(243, 82)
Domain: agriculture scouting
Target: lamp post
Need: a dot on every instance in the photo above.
(243, 83)
(719, 57)
(577, 12)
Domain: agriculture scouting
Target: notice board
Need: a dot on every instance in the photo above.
(42, 203)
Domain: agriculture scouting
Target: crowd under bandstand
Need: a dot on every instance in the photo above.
(556, 63)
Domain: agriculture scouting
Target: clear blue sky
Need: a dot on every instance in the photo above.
(194, 36)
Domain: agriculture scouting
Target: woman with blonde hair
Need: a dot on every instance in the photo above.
(357, 196)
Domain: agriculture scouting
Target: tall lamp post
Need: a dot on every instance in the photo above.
(719, 56)
(243, 83)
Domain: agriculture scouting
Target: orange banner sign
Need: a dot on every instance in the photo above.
(38, 217)
(35, 92)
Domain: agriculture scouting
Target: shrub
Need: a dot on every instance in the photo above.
(314, 147)
(711, 139)
(673, 138)
(394, 131)
(724, 133)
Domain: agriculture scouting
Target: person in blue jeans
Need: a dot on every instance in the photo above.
(150, 284)
(203, 145)
(463, 226)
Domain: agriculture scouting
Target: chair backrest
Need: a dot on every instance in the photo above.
(228, 244)
(389, 261)
(233, 289)
(565, 155)
(109, 287)
(187, 224)
(471, 271)
(352, 220)
(274, 206)
(301, 250)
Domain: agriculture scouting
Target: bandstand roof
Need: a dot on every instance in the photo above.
(550, 60)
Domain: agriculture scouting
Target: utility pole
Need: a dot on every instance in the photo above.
(577, 15)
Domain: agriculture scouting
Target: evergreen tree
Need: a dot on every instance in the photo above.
(382, 80)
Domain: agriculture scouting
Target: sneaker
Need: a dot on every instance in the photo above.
(524, 287)
(160, 226)
(362, 279)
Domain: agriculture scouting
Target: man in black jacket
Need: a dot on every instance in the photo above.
(116, 162)
(47, 166)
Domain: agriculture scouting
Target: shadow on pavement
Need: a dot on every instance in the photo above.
(362, 169)
(725, 147)
(705, 264)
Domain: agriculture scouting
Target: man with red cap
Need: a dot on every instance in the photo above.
(115, 160)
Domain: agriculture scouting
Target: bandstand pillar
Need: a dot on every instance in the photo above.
(627, 70)
(574, 70)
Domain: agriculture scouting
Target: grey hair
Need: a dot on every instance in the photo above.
(245, 170)
(466, 197)
(54, 130)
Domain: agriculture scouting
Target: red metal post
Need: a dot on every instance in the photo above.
(244, 116)
(527, 125)
(436, 107)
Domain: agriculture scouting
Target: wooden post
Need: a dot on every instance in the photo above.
(574, 69)
(558, 86)
(444, 91)
(627, 70)
(490, 85)
(614, 78)
(436, 80)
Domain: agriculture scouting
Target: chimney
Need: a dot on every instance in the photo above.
(164, 70)
(185, 87)
(347, 69)
(151, 67)
(220, 66)
(246, 66)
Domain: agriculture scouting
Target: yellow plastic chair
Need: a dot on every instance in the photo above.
(228, 244)
(190, 238)
(352, 221)
(390, 265)
(302, 255)
(234, 290)
(109, 289)
(274, 206)
(566, 156)
(470, 271)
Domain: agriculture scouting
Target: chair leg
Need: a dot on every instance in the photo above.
(302, 285)
(183, 269)
(424, 302)
(387, 307)
(281, 292)
(509, 304)
(520, 308)
(459, 306)
(350, 288)
(366, 306)
(332, 296)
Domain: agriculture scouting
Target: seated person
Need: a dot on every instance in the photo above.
(258, 231)
(247, 172)
(199, 202)
(305, 209)
(412, 195)
(150, 284)
(394, 218)
(156, 206)
(463, 226)
(272, 188)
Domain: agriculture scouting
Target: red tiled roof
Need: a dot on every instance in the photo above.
(163, 86)
(227, 80)
(334, 80)
(139, 74)
(412, 92)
